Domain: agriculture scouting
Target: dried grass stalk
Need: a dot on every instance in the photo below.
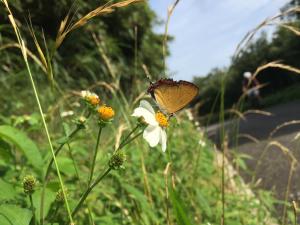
(248, 136)
(293, 122)
(237, 112)
(260, 112)
(275, 64)
(67, 26)
(268, 21)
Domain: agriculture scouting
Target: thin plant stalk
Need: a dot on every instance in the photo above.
(45, 182)
(166, 172)
(126, 138)
(32, 210)
(24, 54)
(223, 148)
(81, 184)
(95, 156)
(100, 177)
(50, 142)
(170, 12)
(295, 208)
(287, 191)
(86, 193)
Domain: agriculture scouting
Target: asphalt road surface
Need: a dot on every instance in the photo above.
(271, 161)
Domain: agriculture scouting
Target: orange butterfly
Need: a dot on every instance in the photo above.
(172, 96)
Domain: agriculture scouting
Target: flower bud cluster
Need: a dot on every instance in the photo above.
(117, 160)
(29, 184)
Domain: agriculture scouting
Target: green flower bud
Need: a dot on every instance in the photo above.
(80, 122)
(117, 160)
(29, 184)
(60, 195)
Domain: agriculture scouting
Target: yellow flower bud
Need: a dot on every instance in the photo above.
(106, 113)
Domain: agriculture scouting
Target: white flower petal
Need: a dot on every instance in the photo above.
(148, 116)
(147, 105)
(163, 139)
(152, 135)
(84, 94)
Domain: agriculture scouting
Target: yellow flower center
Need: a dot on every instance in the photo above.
(105, 112)
(161, 119)
(93, 99)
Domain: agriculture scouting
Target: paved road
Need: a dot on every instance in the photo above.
(274, 167)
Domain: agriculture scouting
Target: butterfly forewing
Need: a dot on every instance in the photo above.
(173, 97)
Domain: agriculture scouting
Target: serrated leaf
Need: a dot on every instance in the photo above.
(14, 215)
(24, 144)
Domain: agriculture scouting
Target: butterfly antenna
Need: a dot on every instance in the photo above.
(147, 73)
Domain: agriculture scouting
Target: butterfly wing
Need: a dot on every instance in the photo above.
(173, 96)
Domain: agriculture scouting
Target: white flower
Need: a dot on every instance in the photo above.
(202, 143)
(155, 132)
(67, 113)
(90, 97)
(88, 94)
(85, 94)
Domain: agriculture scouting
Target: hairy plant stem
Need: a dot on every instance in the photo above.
(86, 193)
(32, 209)
(95, 156)
(107, 171)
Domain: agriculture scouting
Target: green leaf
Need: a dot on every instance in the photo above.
(24, 143)
(5, 151)
(141, 197)
(66, 166)
(180, 209)
(14, 215)
(204, 205)
(8, 191)
(49, 198)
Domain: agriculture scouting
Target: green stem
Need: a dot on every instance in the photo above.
(123, 143)
(48, 173)
(100, 177)
(58, 150)
(52, 217)
(130, 140)
(95, 156)
(84, 196)
(49, 140)
(32, 209)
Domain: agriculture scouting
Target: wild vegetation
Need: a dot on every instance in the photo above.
(73, 157)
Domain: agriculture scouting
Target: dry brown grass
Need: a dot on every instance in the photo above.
(268, 21)
(285, 124)
(67, 25)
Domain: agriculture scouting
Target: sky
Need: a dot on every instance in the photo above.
(207, 32)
